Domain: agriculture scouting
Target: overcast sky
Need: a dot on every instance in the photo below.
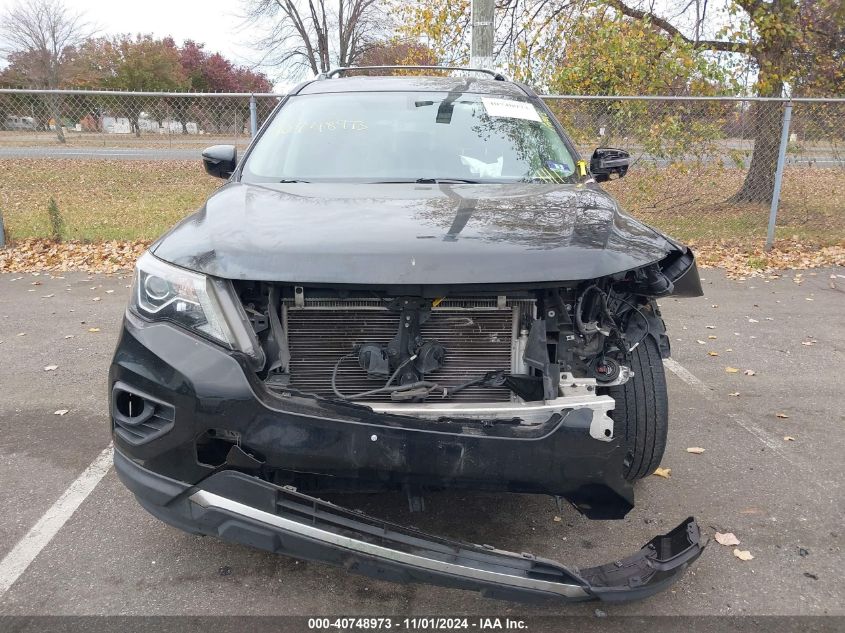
(216, 23)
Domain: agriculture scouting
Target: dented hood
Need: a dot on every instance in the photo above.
(411, 234)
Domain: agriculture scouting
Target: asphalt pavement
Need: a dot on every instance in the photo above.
(782, 498)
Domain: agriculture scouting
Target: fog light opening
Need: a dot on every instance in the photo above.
(129, 405)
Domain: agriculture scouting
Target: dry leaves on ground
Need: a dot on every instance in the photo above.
(788, 438)
(695, 450)
(755, 261)
(35, 254)
(663, 472)
(781, 415)
(731, 370)
(60, 412)
(51, 368)
(728, 538)
(38, 254)
(743, 554)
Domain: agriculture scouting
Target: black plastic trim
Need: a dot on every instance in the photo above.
(247, 510)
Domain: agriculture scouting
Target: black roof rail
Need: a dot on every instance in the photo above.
(344, 69)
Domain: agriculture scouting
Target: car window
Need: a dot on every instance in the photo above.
(398, 136)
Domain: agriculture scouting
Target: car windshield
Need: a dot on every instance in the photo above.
(410, 137)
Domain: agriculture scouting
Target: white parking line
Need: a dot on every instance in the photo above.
(760, 433)
(24, 552)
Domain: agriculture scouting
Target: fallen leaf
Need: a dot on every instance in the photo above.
(728, 538)
(700, 342)
(715, 305)
(47, 296)
(731, 370)
(808, 343)
(729, 349)
(93, 329)
(710, 327)
(711, 337)
(21, 333)
(663, 472)
(108, 292)
(712, 353)
(69, 336)
(750, 372)
(95, 299)
(734, 394)
(51, 368)
(60, 412)
(781, 415)
(753, 321)
(788, 438)
(556, 519)
(743, 554)
(808, 298)
(695, 450)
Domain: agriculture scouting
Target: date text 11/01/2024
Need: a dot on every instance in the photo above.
(417, 624)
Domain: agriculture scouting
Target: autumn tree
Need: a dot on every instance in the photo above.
(395, 52)
(820, 62)
(770, 35)
(38, 38)
(139, 63)
(211, 72)
(313, 36)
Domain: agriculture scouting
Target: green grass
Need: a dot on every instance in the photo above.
(129, 200)
(99, 199)
(692, 204)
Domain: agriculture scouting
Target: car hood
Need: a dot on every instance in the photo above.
(385, 234)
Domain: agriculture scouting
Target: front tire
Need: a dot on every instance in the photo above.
(642, 410)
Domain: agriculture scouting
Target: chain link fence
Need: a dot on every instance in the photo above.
(706, 169)
(703, 169)
(35, 118)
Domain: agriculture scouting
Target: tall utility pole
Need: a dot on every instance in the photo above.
(482, 34)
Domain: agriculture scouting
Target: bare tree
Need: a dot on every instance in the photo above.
(302, 35)
(42, 35)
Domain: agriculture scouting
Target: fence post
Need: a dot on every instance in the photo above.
(784, 141)
(253, 116)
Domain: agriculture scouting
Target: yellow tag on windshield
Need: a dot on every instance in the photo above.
(582, 167)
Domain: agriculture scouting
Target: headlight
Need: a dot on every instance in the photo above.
(162, 292)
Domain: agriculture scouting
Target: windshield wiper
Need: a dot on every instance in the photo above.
(436, 181)
(289, 180)
(426, 181)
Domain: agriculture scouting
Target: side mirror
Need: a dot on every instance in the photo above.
(220, 160)
(607, 161)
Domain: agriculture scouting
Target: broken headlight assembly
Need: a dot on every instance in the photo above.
(202, 304)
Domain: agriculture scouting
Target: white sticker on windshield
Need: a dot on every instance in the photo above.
(510, 109)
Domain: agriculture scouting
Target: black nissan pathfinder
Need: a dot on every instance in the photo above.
(407, 283)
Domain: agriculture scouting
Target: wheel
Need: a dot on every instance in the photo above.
(642, 410)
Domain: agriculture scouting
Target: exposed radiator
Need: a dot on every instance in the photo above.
(479, 336)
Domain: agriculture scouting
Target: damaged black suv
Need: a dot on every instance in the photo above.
(407, 283)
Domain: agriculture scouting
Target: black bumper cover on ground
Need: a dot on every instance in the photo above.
(244, 509)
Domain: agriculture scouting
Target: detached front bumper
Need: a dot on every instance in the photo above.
(243, 509)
